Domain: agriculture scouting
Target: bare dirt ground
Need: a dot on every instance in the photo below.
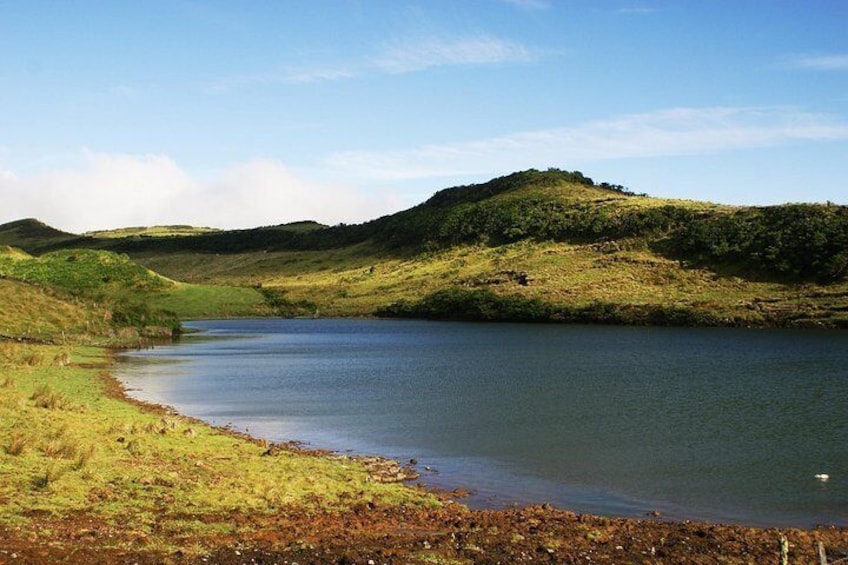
(450, 535)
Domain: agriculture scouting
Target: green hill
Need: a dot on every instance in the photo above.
(76, 287)
(533, 245)
(33, 235)
(92, 273)
(153, 231)
(32, 312)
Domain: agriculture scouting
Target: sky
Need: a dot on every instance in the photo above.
(237, 114)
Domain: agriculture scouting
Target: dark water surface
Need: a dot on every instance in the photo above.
(715, 424)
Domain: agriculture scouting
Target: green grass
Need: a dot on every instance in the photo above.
(549, 236)
(360, 280)
(191, 301)
(152, 231)
(83, 271)
(86, 292)
(36, 312)
(66, 446)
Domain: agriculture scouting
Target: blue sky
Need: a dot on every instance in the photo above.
(248, 113)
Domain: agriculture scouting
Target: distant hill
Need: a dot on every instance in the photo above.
(534, 245)
(33, 235)
(152, 231)
(82, 271)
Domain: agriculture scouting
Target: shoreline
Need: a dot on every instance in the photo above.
(364, 529)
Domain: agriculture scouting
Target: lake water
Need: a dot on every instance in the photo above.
(723, 425)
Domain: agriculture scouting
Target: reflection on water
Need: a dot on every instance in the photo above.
(717, 424)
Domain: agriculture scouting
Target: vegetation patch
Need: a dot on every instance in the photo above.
(68, 446)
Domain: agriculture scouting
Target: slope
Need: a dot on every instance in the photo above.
(120, 291)
(538, 245)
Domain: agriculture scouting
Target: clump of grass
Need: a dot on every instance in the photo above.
(134, 448)
(45, 397)
(8, 382)
(51, 474)
(33, 358)
(18, 444)
(169, 423)
(84, 457)
(61, 447)
(8, 352)
(61, 360)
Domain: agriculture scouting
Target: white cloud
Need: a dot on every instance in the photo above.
(636, 10)
(530, 4)
(118, 190)
(834, 62)
(285, 75)
(482, 50)
(406, 57)
(678, 131)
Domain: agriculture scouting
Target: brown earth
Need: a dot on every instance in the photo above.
(450, 535)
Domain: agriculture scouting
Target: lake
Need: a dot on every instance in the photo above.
(728, 425)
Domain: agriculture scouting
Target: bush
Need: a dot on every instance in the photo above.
(140, 315)
(801, 241)
(472, 305)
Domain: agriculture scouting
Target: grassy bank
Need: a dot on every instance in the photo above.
(70, 446)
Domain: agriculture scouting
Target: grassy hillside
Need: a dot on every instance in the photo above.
(148, 480)
(152, 231)
(37, 313)
(93, 293)
(536, 245)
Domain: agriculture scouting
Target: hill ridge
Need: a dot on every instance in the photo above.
(540, 245)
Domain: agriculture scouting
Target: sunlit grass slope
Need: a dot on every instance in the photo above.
(622, 275)
(152, 479)
(119, 282)
(152, 231)
(39, 313)
(589, 252)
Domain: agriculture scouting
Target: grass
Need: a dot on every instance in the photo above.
(585, 248)
(83, 271)
(69, 446)
(359, 280)
(92, 294)
(153, 231)
(37, 312)
(192, 301)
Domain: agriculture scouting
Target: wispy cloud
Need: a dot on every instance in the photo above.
(832, 62)
(530, 4)
(106, 190)
(399, 58)
(286, 75)
(482, 50)
(671, 132)
(636, 10)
